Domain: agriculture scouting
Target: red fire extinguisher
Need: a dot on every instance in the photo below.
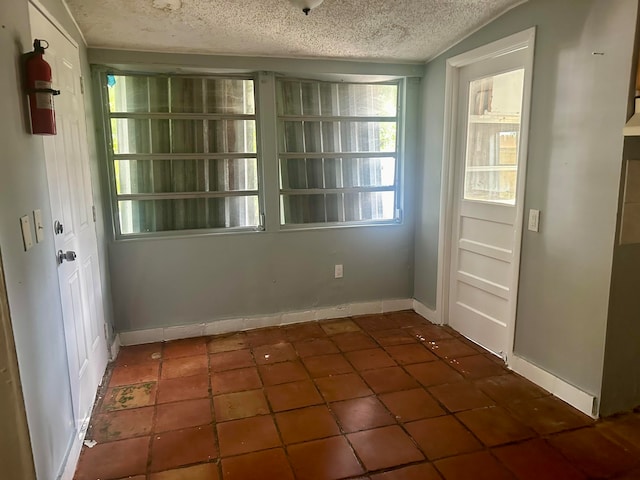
(38, 76)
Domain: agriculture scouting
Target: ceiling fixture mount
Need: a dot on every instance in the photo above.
(306, 5)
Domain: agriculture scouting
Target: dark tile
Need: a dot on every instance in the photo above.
(395, 336)
(348, 342)
(478, 466)
(233, 406)
(183, 447)
(429, 332)
(477, 366)
(139, 354)
(186, 347)
(375, 322)
(460, 396)
(409, 354)
(326, 365)
(185, 366)
(369, 359)
(342, 387)
(412, 405)
(267, 465)
(494, 426)
(131, 374)
(114, 459)
(384, 447)
(595, 454)
(535, 460)
(204, 471)
(361, 414)
(130, 396)
(280, 352)
(407, 318)
(183, 388)
(118, 425)
(452, 348)
(422, 471)
(266, 336)
(284, 372)
(433, 373)
(326, 459)
(235, 380)
(442, 437)
(306, 424)
(548, 415)
(247, 435)
(506, 389)
(334, 327)
(231, 360)
(181, 415)
(292, 395)
(623, 430)
(315, 346)
(391, 379)
(304, 331)
(227, 343)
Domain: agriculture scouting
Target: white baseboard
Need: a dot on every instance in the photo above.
(425, 312)
(115, 347)
(575, 397)
(229, 325)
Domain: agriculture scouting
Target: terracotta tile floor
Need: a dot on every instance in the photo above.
(379, 397)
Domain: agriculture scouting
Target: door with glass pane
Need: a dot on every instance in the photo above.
(487, 193)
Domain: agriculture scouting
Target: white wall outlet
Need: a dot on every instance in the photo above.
(25, 224)
(338, 271)
(534, 220)
(38, 225)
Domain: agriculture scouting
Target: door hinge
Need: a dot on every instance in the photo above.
(81, 85)
(93, 211)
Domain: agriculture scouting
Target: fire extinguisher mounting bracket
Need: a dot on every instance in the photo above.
(44, 90)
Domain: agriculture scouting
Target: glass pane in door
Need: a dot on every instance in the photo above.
(493, 137)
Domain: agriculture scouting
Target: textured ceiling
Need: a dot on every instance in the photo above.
(378, 30)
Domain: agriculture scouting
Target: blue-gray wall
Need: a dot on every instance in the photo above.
(579, 104)
(193, 279)
(31, 277)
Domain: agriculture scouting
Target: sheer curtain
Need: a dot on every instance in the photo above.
(184, 152)
(338, 154)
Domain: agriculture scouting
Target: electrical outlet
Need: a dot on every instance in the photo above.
(338, 271)
(534, 220)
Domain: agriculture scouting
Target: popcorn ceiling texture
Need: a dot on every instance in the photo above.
(377, 30)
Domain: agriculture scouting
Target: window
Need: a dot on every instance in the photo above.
(338, 153)
(183, 152)
(494, 116)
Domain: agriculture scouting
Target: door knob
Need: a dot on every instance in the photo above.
(69, 256)
(58, 228)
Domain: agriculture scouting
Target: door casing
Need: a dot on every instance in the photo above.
(515, 42)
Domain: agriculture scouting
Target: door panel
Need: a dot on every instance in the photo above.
(487, 194)
(70, 191)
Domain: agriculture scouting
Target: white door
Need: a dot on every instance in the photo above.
(487, 198)
(72, 209)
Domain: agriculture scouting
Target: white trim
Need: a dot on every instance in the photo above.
(54, 21)
(575, 397)
(229, 325)
(426, 312)
(115, 347)
(71, 462)
(515, 42)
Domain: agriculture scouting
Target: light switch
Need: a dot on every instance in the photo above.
(38, 225)
(534, 220)
(25, 224)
